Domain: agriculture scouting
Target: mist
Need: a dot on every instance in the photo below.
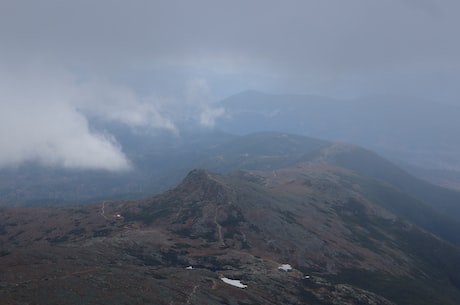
(167, 64)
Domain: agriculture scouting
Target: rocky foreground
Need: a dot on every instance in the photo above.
(301, 235)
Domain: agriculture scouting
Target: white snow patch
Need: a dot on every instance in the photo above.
(285, 267)
(236, 283)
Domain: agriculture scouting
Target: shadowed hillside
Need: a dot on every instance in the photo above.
(368, 163)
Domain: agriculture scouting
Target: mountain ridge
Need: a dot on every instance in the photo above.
(370, 164)
(242, 225)
(364, 121)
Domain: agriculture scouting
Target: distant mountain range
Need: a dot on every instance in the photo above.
(309, 233)
(415, 131)
(161, 162)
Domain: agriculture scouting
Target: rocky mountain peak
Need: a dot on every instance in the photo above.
(196, 175)
(200, 184)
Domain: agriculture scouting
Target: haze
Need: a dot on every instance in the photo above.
(162, 65)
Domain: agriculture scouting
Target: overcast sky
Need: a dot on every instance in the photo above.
(150, 63)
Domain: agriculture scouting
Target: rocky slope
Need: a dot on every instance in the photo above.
(176, 248)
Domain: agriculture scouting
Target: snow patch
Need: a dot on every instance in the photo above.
(236, 283)
(285, 267)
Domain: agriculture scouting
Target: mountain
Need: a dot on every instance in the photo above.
(418, 132)
(368, 163)
(159, 163)
(303, 234)
(263, 150)
(158, 167)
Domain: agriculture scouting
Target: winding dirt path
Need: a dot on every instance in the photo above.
(189, 299)
(103, 210)
(219, 228)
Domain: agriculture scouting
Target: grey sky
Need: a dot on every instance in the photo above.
(146, 63)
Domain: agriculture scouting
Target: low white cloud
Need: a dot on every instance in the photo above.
(40, 123)
(117, 102)
(208, 116)
(44, 115)
(200, 99)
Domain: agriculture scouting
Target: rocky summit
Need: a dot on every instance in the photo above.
(305, 234)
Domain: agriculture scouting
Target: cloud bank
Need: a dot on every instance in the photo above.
(39, 122)
(44, 115)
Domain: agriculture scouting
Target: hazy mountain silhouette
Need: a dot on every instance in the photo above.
(412, 130)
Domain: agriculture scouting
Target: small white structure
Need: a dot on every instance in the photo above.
(189, 267)
(236, 283)
(285, 267)
(307, 276)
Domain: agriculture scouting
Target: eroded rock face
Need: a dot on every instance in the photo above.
(342, 247)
